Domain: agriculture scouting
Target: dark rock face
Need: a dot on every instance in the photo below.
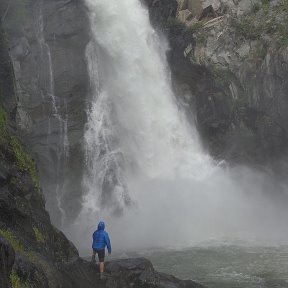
(137, 272)
(7, 256)
(161, 10)
(47, 44)
(235, 75)
(24, 223)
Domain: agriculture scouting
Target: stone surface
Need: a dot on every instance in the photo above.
(160, 11)
(47, 44)
(7, 256)
(234, 66)
(137, 272)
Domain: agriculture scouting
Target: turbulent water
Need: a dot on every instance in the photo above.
(147, 175)
(226, 266)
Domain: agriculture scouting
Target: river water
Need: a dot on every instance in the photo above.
(225, 265)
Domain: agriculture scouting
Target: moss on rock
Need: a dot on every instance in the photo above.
(24, 160)
(3, 124)
(12, 240)
(39, 235)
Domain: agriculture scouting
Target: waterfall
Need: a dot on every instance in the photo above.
(57, 112)
(135, 128)
(144, 160)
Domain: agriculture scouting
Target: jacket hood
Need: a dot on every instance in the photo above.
(101, 225)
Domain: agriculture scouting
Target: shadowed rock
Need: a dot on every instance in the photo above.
(137, 272)
(7, 257)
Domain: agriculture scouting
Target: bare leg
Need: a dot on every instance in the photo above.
(101, 266)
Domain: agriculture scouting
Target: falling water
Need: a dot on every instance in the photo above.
(56, 110)
(142, 153)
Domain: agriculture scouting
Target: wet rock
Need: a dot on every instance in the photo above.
(160, 11)
(234, 65)
(7, 256)
(137, 272)
(207, 13)
(48, 55)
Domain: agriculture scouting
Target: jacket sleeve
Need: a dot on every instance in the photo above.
(107, 240)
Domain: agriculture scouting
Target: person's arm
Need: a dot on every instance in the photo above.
(108, 243)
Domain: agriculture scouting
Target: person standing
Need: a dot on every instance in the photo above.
(100, 241)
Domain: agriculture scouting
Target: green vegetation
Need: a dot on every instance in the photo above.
(197, 31)
(16, 281)
(17, 246)
(266, 6)
(24, 160)
(3, 121)
(248, 27)
(195, 27)
(32, 256)
(39, 236)
(272, 21)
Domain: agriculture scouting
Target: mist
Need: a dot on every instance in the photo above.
(234, 206)
(147, 174)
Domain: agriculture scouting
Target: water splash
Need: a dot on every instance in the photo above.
(142, 152)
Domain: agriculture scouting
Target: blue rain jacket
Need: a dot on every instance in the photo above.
(101, 238)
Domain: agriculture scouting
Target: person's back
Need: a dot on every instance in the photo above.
(100, 241)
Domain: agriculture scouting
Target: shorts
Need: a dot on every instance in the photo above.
(100, 253)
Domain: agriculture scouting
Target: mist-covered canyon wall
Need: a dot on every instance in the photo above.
(231, 64)
(233, 78)
(47, 41)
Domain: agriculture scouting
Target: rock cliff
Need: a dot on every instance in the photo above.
(28, 241)
(232, 58)
(47, 42)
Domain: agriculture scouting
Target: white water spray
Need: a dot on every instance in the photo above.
(142, 152)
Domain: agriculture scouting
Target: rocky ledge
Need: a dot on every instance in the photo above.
(79, 273)
(136, 272)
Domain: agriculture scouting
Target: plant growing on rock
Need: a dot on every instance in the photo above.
(38, 235)
(3, 122)
(11, 239)
(174, 23)
(24, 160)
(16, 281)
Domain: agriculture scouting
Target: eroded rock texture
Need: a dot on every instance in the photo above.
(232, 58)
(47, 41)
